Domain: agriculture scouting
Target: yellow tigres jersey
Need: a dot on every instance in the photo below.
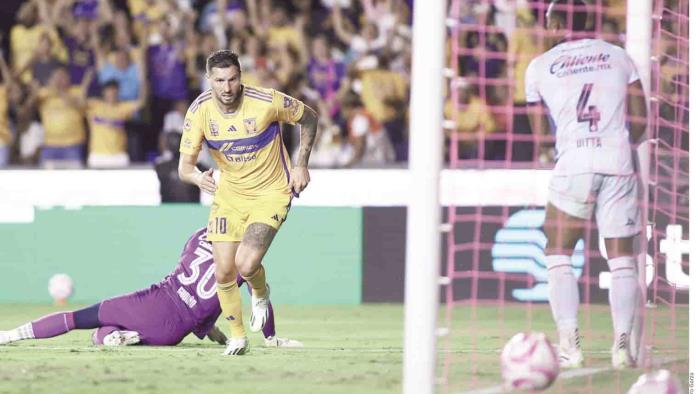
(247, 144)
(5, 132)
(63, 124)
(107, 125)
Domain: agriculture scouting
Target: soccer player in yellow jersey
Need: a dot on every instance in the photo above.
(241, 126)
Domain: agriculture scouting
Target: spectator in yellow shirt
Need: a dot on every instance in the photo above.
(273, 24)
(384, 94)
(61, 107)
(25, 37)
(525, 44)
(43, 62)
(107, 117)
(145, 14)
(472, 123)
(5, 131)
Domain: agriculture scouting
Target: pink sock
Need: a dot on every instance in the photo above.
(53, 325)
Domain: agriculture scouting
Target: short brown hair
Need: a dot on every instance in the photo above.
(222, 59)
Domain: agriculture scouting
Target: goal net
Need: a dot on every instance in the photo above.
(494, 281)
(668, 186)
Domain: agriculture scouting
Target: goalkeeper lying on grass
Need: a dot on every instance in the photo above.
(184, 302)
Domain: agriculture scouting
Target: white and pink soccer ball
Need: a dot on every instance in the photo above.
(656, 382)
(60, 287)
(529, 362)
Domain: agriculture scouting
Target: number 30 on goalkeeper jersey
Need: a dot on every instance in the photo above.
(247, 144)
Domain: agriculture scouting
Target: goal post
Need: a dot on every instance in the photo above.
(692, 219)
(638, 46)
(424, 211)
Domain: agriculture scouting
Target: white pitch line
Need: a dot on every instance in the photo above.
(8, 349)
(107, 349)
(570, 374)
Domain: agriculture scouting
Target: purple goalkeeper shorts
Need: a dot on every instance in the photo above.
(151, 312)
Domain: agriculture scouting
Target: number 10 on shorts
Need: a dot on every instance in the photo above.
(218, 226)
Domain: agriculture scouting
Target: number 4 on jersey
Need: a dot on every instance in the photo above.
(591, 115)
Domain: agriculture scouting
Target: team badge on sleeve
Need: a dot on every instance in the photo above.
(287, 102)
(187, 124)
(293, 104)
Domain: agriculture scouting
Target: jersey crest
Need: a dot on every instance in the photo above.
(250, 125)
(214, 128)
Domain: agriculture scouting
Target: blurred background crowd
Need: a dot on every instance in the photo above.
(101, 83)
(493, 44)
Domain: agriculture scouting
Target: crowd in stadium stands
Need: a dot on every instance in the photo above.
(497, 41)
(101, 82)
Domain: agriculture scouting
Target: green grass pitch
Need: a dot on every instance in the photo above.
(348, 349)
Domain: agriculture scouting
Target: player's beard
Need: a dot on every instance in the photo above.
(228, 100)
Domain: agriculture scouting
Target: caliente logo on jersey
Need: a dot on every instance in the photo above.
(573, 64)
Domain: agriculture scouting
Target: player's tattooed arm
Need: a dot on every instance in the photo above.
(299, 176)
(308, 131)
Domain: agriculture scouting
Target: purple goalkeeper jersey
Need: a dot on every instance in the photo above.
(192, 283)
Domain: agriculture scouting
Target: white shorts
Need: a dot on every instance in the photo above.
(615, 198)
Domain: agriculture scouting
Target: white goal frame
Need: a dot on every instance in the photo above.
(425, 164)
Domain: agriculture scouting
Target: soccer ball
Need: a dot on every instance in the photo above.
(656, 382)
(60, 287)
(528, 362)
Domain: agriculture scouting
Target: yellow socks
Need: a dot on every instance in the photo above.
(258, 282)
(231, 304)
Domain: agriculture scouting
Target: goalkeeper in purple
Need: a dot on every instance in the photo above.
(184, 302)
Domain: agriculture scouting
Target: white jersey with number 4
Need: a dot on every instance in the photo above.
(584, 83)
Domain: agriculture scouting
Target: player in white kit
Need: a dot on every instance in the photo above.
(588, 86)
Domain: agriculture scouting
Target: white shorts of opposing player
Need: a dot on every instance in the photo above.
(615, 198)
